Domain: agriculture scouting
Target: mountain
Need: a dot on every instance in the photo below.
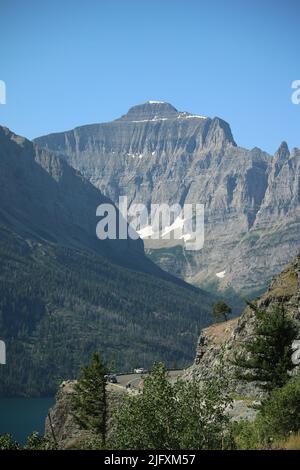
(43, 197)
(156, 154)
(64, 293)
(222, 340)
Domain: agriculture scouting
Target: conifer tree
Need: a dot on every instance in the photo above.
(267, 357)
(89, 400)
(221, 311)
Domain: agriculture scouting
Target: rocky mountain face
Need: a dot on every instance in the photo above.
(60, 425)
(156, 154)
(220, 342)
(42, 196)
(64, 293)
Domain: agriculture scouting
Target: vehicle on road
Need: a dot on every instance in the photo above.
(111, 378)
(140, 370)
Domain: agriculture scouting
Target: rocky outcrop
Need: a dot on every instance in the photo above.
(219, 343)
(156, 154)
(60, 426)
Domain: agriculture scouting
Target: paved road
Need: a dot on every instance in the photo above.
(135, 379)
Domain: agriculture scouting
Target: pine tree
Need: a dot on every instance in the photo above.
(89, 400)
(267, 358)
(221, 311)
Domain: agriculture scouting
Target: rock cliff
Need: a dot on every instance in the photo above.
(156, 154)
(60, 426)
(219, 342)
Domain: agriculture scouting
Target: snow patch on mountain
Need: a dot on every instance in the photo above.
(221, 274)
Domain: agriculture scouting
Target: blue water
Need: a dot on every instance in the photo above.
(21, 416)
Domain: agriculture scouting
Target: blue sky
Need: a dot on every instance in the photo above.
(73, 62)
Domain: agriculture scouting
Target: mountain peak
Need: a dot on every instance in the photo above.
(6, 134)
(151, 110)
(283, 151)
(156, 102)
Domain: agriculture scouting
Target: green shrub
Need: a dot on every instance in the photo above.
(280, 413)
(247, 435)
(34, 442)
(277, 419)
(180, 415)
(7, 442)
(37, 442)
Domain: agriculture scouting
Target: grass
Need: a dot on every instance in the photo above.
(286, 284)
(291, 443)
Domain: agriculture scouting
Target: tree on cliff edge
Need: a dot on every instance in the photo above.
(89, 401)
(221, 311)
(267, 357)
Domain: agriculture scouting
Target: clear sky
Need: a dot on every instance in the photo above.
(73, 62)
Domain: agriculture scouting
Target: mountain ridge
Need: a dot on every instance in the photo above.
(251, 198)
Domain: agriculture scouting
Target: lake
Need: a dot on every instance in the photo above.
(21, 416)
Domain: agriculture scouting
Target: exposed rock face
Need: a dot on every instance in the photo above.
(42, 195)
(45, 198)
(155, 154)
(223, 339)
(62, 429)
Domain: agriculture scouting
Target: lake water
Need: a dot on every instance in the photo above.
(21, 416)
